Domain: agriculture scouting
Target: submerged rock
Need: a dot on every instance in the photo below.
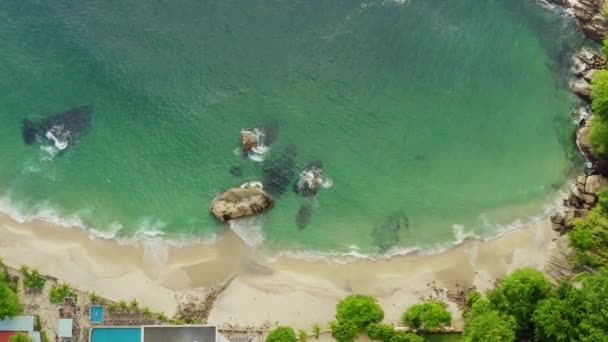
(241, 202)
(281, 172)
(386, 235)
(303, 216)
(63, 129)
(236, 171)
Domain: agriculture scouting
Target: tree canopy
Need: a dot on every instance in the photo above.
(427, 315)
(359, 309)
(517, 295)
(486, 324)
(9, 300)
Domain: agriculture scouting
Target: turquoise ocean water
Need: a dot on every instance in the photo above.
(450, 115)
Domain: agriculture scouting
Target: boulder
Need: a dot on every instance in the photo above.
(589, 199)
(594, 183)
(582, 88)
(583, 141)
(241, 202)
(580, 183)
(249, 140)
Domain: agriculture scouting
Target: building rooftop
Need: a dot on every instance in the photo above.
(65, 327)
(19, 323)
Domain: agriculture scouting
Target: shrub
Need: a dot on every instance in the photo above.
(400, 336)
(60, 292)
(428, 315)
(580, 239)
(359, 310)
(94, 297)
(380, 332)
(302, 335)
(134, 305)
(344, 330)
(316, 329)
(32, 279)
(20, 338)
(161, 317)
(281, 334)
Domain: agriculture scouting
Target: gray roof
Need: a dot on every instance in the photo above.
(35, 336)
(18, 323)
(65, 327)
(179, 334)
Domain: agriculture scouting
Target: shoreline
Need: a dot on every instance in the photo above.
(296, 292)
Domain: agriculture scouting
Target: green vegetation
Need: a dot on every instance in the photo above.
(122, 305)
(598, 132)
(134, 305)
(344, 331)
(525, 307)
(302, 335)
(386, 333)
(486, 324)
(360, 310)
(146, 312)
(316, 330)
(281, 334)
(44, 337)
(9, 300)
(60, 292)
(20, 338)
(32, 280)
(162, 317)
(589, 238)
(94, 297)
(427, 315)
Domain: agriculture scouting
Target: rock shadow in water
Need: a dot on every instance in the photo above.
(281, 172)
(303, 216)
(386, 235)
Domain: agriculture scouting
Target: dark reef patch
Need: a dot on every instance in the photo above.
(386, 235)
(66, 126)
(280, 173)
(303, 216)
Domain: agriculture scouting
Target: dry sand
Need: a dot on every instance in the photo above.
(290, 291)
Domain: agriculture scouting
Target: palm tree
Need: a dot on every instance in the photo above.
(94, 297)
(146, 312)
(122, 305)
(24, 270)
(161, 317)
(133, 304)
(316, 330)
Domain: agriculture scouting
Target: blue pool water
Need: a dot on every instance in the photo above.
(116, 335)
(96, 315)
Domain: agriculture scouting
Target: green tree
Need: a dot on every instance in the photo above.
(427, 315)
(599, 104)
(598, 137)
(134, 304)
(360, 310)
(580, 239)
(484, 324)
(380, 332)
(9, 300)
(281, 334)
(551, 323)
(517, 295)
(20, 338)
(344, 330)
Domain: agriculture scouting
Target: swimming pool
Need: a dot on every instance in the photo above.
(96, 314)
(116, 335)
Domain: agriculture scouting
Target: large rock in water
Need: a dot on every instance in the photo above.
(240, 202)
(249, 140)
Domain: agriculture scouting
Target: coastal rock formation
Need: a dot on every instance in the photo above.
(311, 180)
(255, 141)
(280, 173)
(249, 140)
(241, 202)
(585, 64)
(589, 16)
(579, 202)
(62, 129)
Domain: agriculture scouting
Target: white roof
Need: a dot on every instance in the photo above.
(65, 327)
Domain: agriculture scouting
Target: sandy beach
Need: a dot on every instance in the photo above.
(295, 292)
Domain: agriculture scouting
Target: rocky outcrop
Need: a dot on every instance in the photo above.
(589, 16)
(249, 141)
(585, 64)
(241, 202)
(62, 129)
(580, 201)
(311, 179)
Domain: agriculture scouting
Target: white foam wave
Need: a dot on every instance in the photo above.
(48, 152)
(249, 229)
(61, 141)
